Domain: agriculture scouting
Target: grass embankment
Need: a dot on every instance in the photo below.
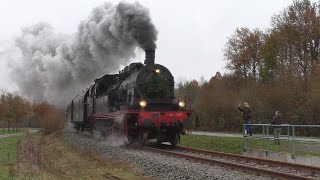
(234, 145)
(48, 157)
(8, 150)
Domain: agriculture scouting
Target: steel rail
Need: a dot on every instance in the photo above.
(230, 165)
(313, 169)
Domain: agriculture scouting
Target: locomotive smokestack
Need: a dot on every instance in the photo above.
(150, 54)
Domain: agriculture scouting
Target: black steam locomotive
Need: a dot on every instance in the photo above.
(138, 102)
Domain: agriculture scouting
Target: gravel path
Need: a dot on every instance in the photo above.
(8, 135)
(155, 165)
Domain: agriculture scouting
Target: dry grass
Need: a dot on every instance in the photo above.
(47, 157)
(29, 152)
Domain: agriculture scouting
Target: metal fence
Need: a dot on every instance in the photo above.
(289, 136)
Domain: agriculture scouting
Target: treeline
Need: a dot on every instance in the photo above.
(277, 69)
(18, 112)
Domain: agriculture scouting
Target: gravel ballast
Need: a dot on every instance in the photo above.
(152, 164)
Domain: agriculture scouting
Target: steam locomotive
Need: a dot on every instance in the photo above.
(138, 102)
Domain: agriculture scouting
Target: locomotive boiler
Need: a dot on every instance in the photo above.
(138, 102)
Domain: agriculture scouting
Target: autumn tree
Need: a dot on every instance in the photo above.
(278, 69)
(48, 117)
(4, 107)
(188, 91)
(22, 109)
(14, 109)
(242, 52)
(292, 48)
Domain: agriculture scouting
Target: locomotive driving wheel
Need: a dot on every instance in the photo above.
(175, 139)
(130, 140)
(143, 139)
(77, 127)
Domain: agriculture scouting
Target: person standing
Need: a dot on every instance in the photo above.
(277, 120)
(247, 115)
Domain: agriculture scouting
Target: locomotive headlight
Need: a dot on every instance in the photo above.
(143, 103)
(158, 71)
(182, 104)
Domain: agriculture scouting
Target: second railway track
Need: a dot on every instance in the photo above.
(270, 168)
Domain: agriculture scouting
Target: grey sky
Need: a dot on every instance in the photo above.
(191, 37)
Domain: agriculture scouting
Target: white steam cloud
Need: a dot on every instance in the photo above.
(54, 67)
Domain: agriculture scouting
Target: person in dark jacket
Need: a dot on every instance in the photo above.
(247, 114)
(277, 120)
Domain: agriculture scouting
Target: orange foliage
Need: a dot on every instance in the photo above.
(48, 116)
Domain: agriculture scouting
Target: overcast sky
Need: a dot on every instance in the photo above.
(192, 33)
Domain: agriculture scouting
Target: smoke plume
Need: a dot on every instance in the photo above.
(55, 67)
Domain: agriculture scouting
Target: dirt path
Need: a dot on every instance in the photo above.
(9, 135)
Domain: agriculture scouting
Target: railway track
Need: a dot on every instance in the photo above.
(270, 168)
